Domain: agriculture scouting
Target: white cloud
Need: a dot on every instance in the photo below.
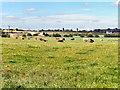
(63, 19)
(86, 9)
(11, 17)
(27, 10)
(116, 3)
(77, 20)
(45, 20)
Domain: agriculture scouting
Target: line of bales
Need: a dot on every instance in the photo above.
(58, 35)
(59, 40)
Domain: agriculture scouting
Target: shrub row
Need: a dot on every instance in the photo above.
(70, 35)
(29, 34)
(5, 35)
(56, 35)
(89, 35)
(112, 35)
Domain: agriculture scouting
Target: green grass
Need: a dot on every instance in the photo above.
(70, 64)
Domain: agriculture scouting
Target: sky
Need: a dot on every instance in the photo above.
(58, 0)
(58, 15)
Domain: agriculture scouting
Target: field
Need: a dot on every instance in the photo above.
(71, 64)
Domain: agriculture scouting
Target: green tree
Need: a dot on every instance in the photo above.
(24, 35)
(35, 34)
(89, 35)
(70, 35)
(96, 35)
(29, 34)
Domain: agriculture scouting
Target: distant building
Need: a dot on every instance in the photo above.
(109, 32)
(113, 31)
(32, 33)
(40, 34)
(117, 31)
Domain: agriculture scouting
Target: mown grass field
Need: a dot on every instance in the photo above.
(71, 64)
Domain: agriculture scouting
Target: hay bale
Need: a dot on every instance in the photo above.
(72, 39)
(60, 40)
(91, 41)
(101, 39)
(85, 40)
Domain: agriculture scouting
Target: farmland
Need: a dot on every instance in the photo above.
(70, 64)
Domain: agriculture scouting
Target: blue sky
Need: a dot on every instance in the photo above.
(56, 15)
(59, 1)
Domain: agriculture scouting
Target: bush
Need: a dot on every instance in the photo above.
(70, 35)
(75, 34)
(23, 35)
(4, 35)
(89, 35)
(43, 33)
(82, 35)
(46, 34)
(96, 35)
(35, 34)
(66, 35)
(8, 36)
(29, 34)
(56, 35)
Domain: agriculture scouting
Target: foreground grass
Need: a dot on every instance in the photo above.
(74, 64)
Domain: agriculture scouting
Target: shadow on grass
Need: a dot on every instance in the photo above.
(69, 61)
(77, 67)
(28, 60)
(110, 56)
(81, 53)
(93, 64)
(74, 67)
(81, 59)
(51, 57)
(91, 50)
(66, 47)
(55, 48)
(12, 62)
(30, 46)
